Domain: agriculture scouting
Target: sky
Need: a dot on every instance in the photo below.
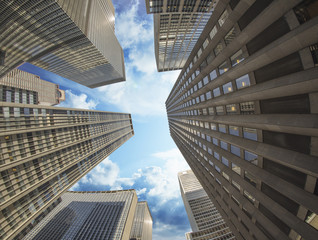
(149, 161)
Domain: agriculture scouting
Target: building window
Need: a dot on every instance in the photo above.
(213, 32)
(218, 49)
(216, 92)
(247, 108)
(237, 57)
(243, 82)
(224, 67)
(236, 150)
(250, 133)
(236, 169)
(225, 161)
(223, 17)
(227, 88)
(230, 36)
(231, 109)
(222, 128)
(213, 75)
(251, 157)
(234, 130)
(219, 110)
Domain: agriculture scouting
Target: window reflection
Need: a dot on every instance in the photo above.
(234, 130)
(237, 57)
(224, 67)
(250, 133)
(227, 88)
(236, 168)
(243, 82)
(251, 157)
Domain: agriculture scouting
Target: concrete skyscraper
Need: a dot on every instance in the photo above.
(177, 27)
(22, 87)
(142, 226)
(74, 39)
(45, 150)
(243, 112)
(89, 215)
(205, 220)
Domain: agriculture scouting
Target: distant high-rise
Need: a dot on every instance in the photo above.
(142, 226)
(243, 113)
(89, 215)
(177, 27)
(205, 220)
(74, 39)
(45, 150)
(22, 87)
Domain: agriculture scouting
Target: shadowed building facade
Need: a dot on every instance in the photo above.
(177, 27)
(23, 87)
(142, 226)
(45, 150)
(205, 220)
(243, 112)
(74, 39)
(89, 215)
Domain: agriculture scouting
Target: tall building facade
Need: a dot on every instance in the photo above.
(177, 27)
(44, 151)
(142, 225)
(23, 87)
(205, 220)
(89, 215)
(74, 39)
(243, 112)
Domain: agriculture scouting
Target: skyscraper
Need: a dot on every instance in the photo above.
(142, 226)
(89, 215)
(74, 39)
(205, 220)
(177, 27)
(243, 112)
(22, 87)
(44, 151)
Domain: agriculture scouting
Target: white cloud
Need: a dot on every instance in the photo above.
(164, 180)
(141, 191)
(106, 173)
(161, 182)
(77, 101)
(130, 29)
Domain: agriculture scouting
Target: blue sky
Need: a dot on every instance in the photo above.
(149, 161)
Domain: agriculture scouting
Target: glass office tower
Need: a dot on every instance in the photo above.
(243, 112)
(74, 39)
(45, 150)
(205, 220)
(177, 27)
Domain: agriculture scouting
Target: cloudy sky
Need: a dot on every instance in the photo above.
(148, 162)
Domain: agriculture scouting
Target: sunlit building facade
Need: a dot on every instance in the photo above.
(205, 220)
(23, 87)
(177, 27)
(89, 215)
(74, 39)
(243, 112)
(142, 225)
(45, 150)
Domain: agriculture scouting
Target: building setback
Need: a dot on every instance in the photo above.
(74, 39)
(205, 220)
(243, 112)
(142, 225)
(89, 215)
(45, 150)
(177, 27)
(23, 87)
